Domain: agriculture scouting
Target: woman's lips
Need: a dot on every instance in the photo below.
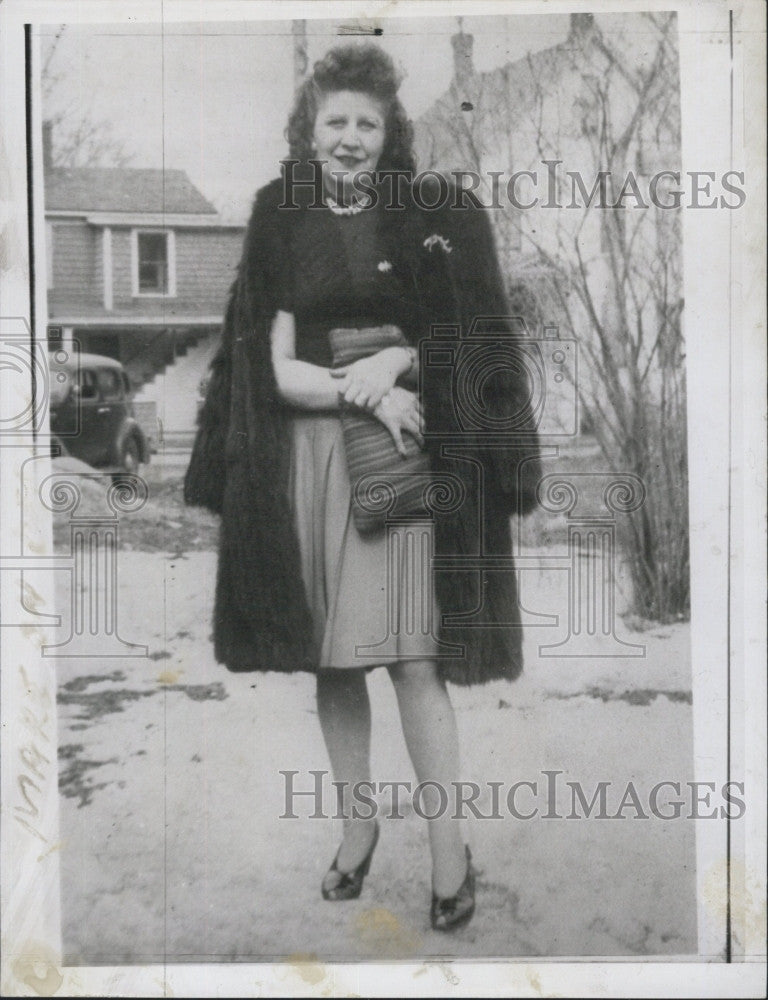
(349, 162)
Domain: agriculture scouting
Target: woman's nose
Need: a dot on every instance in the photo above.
(350, 138)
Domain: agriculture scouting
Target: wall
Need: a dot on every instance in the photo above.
(205, 268)
(76, 264)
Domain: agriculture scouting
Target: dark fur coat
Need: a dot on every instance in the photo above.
(240, 462)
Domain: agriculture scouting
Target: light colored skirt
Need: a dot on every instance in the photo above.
(371, 596)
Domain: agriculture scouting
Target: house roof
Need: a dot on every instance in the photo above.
(122, 189)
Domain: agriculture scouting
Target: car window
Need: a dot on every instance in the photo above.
(86, 381)
(110, 384)
(60, 384)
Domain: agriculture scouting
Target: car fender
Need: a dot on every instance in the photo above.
(132, 428)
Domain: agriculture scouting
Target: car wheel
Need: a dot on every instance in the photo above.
(130, 459)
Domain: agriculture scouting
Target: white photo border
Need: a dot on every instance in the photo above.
(722, 57)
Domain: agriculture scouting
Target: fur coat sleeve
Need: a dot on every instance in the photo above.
(247, 314)
(489, 358)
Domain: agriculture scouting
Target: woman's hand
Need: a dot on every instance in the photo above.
(400, 410)
(366, 382)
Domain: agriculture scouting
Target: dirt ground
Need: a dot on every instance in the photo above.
(174, 849)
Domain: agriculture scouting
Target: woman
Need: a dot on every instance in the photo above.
(298, 586)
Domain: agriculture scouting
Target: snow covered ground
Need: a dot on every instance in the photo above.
(174, 849)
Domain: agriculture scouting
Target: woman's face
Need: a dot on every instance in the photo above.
(349, 136)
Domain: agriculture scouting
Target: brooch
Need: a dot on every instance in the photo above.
(384, 266)
(436, 240)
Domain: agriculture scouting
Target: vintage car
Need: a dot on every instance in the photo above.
(91, 412)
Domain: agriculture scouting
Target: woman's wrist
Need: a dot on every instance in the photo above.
(405, 360)
(410, 366)
(399, 360)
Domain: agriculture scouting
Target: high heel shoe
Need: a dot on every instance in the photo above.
(455, 911)
(350, 884)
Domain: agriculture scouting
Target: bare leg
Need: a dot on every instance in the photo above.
(345, 719)
(429, 726)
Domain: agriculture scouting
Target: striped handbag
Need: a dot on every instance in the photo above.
(384, 484)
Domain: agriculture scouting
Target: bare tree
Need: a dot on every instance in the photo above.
(79, 137)
(604, 106)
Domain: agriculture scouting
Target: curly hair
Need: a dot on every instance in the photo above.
(364, 69)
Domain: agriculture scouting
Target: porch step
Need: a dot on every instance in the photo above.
(176, 394)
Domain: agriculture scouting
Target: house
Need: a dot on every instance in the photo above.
(138, 268)
(601, 107)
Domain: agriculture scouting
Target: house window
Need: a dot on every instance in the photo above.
(153, 262)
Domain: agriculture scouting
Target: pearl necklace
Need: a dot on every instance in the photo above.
(353, 209)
